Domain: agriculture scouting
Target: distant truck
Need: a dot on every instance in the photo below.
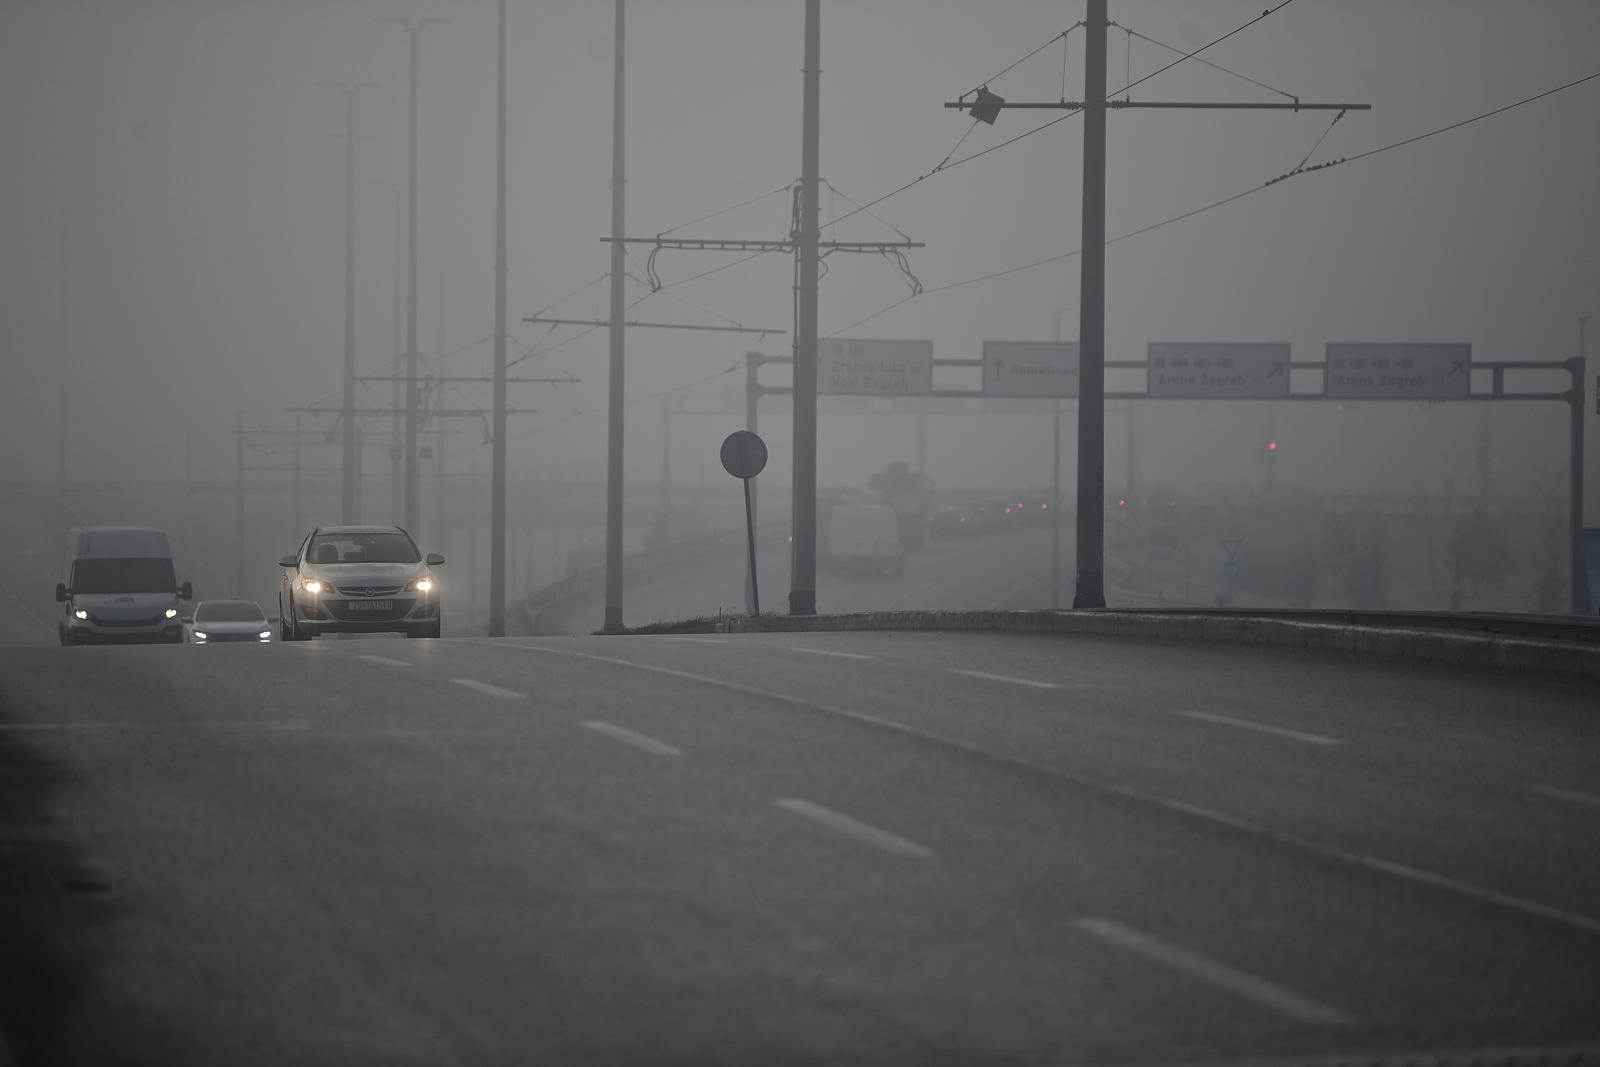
(865, 538)
(120, 588)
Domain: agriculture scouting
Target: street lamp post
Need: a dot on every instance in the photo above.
(414, 28)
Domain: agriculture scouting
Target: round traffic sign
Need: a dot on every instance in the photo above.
(744, 455)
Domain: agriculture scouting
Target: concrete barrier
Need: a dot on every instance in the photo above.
(1440, 646)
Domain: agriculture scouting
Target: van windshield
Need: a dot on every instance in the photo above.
(153, 575)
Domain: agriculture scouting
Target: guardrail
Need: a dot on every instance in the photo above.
(591, 581)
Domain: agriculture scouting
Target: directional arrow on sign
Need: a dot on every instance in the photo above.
(999, 369)
(1277, 369)
(1456, 368)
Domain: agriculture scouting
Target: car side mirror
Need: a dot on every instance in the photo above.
(288, 561)
(61, 593)
(434, 559)
(186, 591)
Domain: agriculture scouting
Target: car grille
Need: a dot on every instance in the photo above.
(153, 620)
(217, 639)
(377, 591)
(340, 609)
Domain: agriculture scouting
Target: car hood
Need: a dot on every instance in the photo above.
(124, 605)
(216, 629)
(364, 574)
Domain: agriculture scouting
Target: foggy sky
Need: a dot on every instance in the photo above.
(171, 210)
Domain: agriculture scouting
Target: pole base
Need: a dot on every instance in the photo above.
(1091, 590)
(613, 624)
(803, 602)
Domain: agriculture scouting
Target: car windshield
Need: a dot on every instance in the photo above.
(153, 575)
(379, 547)
(229, 611)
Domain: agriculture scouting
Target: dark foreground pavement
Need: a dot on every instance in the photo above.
(790, 848)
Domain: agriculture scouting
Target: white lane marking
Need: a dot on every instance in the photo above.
(1229, 979)
(986, 676)
(830, 652)
(487, 689)
(1588, 924)
(1567, 794)
(693, 640)
(147, 726)
(385, 660)
(853, 828)
(1259, 727)
(639, 741)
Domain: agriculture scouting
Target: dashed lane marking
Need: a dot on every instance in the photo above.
(639, 741)
(1216, 974)
(1258, 727)
(865, 833)
(487, 689)
(1008, 679)
(830, 652)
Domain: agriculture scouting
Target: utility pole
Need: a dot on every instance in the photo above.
(985, 107)
(1055, 495)
(614, 465)
(803, 565)
(61, 362)
(296, 506)
(497, 478)
(347, 496)
(804, 241)
(238, 534)
(413, 28)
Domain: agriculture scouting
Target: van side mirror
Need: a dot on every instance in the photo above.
(61, 593)
(187, 620)
(186, 591)
(288, 561)
(434, 559)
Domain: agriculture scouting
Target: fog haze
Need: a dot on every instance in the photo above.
(172, 209)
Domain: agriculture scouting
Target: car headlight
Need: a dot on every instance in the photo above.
(172, 613)
(199, 635)
(311, 585)
(80, 614)
(265, 635)
(422, 585)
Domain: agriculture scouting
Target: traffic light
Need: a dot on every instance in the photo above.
(1272, 448)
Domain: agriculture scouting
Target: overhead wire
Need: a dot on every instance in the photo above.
(992, 275)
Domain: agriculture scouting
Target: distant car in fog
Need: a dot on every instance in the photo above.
(358, 579)
(222, 621)
(951, 521)
(120, 588)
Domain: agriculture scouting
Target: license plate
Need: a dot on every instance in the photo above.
(370, 605)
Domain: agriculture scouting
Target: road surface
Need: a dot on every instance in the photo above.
(789, 848)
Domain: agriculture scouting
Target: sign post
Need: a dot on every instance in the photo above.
(744, 455)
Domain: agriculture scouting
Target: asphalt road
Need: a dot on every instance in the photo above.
(830, 848)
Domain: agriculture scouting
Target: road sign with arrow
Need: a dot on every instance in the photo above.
(1219, 371)
(1399, 371)
(1030, 368)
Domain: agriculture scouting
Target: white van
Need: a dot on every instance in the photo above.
(120, 587)
(865, 537)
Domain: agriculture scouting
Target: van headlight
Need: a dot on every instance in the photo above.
(172, 613)
(199, 635)
(265, 635)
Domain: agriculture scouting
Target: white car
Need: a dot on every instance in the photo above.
(358, 579)
(220, 621)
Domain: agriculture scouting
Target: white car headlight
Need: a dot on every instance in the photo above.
(80, 614)
(422, 585)
(199, 635)
(311, 585)
(172, 613)
(265, 635)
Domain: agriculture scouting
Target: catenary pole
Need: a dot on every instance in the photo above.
(803, 569)
(614, 464)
